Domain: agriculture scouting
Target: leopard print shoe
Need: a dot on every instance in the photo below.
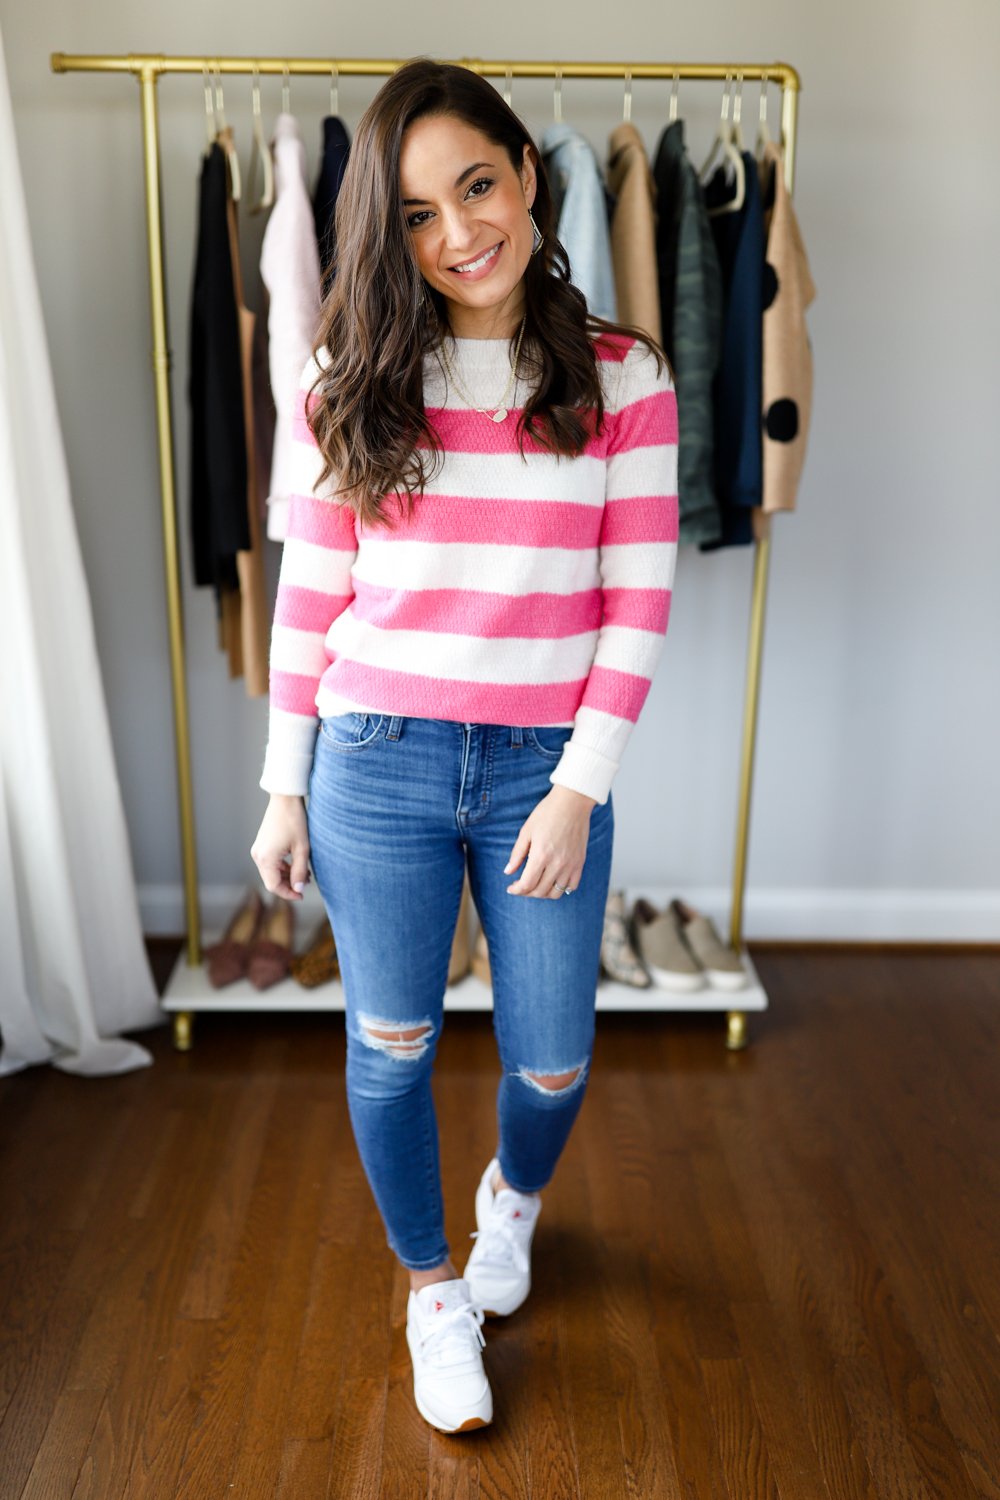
(618, 958)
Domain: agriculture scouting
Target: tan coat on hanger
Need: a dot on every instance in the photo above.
(633, 232)
(254, 625)
(788, 367)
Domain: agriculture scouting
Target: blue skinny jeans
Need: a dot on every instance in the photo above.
(397, 806)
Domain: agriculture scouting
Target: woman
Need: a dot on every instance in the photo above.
(474, 594)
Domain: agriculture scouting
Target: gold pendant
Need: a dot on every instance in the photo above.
(500, 415)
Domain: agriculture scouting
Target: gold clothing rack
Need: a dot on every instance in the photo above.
(148, 68)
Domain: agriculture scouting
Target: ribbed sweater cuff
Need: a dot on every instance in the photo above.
(289, 758)
(584, 770)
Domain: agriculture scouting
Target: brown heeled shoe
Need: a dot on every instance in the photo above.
(271, 954)
(227, 960)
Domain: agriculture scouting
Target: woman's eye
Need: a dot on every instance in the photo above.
(476, 190)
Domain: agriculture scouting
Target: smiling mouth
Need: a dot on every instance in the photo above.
(476, 265)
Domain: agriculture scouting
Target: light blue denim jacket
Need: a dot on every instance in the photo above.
(583, 219)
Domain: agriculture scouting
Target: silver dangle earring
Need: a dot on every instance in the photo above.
(539, 237)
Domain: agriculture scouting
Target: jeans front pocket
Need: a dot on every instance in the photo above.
(548, 740)
(351, 732)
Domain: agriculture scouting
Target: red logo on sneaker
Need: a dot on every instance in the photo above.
(516, 1214)
(439, 1307)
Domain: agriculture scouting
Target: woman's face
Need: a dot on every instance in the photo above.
(467, 208)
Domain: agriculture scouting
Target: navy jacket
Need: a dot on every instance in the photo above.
(738, 394)
(336, 149)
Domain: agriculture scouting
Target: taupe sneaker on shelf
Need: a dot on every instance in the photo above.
(660, 944)
(618, 957)
(722, 966)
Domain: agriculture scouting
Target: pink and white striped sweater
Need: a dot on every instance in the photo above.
(519, 591)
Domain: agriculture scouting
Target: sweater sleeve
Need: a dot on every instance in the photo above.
(314, 587)
(638, 552)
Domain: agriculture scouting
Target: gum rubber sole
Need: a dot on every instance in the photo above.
(469, 1425)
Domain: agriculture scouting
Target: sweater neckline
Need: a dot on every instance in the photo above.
(457, 340)
(483, 368)
(479, 346)
(488, 357)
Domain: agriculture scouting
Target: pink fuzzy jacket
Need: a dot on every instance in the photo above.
(528, 591)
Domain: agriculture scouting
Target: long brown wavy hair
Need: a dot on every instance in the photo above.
(380, 317)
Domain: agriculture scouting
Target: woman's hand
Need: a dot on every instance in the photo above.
(281, 849)
(554, 839)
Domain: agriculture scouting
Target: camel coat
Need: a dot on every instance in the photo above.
(788, 368)
(633, 232)
(245, 618)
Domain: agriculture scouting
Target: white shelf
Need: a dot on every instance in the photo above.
(189, 989)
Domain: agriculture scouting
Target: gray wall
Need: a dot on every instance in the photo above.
(877, 791)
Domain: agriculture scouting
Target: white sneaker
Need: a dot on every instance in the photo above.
(449, 1383)
(499, 1268)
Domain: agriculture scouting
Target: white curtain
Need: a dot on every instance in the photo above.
(73, 969)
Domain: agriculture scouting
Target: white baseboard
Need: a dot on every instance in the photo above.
(831, 915)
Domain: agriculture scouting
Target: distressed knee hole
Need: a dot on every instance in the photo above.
(554, 1083)
(408, 1041)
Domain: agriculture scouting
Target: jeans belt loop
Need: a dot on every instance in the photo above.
(395, 723)
(516, 739)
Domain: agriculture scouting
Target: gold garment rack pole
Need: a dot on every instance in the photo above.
(148, 68)
(381, 67)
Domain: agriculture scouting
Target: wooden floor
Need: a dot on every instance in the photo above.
(768, 1274)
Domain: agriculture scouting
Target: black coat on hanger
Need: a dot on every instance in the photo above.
(336, 149)
(220, 526)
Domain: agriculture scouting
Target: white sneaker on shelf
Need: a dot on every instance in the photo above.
(443, 1330)
(499, 1268)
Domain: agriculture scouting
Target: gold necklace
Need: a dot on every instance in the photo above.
(498, 413)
